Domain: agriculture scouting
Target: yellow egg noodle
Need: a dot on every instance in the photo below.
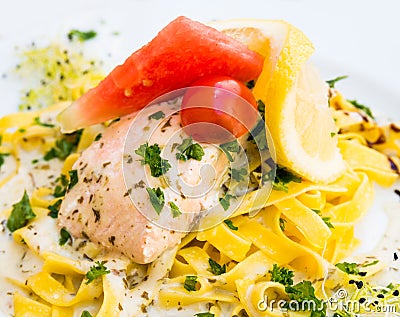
(290, 230)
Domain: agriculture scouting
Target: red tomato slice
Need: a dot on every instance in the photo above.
(217, 109)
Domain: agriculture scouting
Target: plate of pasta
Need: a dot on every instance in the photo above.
(213, 172)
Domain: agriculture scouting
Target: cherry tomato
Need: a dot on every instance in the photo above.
(218, 108)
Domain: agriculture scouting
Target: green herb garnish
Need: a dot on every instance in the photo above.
(230, 147)
(2, 155)
(360, 106)
(157, 115)
(190, 283)
(37, 121)
(64, 236)
(157, 198)
(54, 209)
(303, 292)
(349, 268)
(64, 147)
(96, 271)
(281, 275)
(81, 35)
(216, 268)
(370, 263)
(151, 156)
(205, 315)
(189, 150)
(21, 213)
(230, 225)
(238, 175)
(258, 133)
(85, 313)
(327, 220)
(175, 209)
(73, 178)
(282, 223)
(282, 178)
(250, 84)
(98, 136)
(333, 81)
(225, 201)
(61, 187)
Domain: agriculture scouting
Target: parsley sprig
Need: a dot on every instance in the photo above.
(81, 36)
(281, 275)
(362, 107)
(333, 81)
(230, 147)
(190, 283)
(189, 150)
(327, 220)
(304, 292)
(258, 133)
(96, 271)
(152, 157)
(21, 213)
(282, 178)
(157, 198)
(216, 268)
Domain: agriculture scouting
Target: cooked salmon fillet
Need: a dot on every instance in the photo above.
(99, 206)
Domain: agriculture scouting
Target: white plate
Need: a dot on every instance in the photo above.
(356, 38)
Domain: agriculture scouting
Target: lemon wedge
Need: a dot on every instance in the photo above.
(296, 98)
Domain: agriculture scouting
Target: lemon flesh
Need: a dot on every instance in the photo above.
(296, 98)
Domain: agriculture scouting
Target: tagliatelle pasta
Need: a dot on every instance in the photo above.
(286, 231)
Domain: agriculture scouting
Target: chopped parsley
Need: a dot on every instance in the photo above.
(239, 174)
(370, 263)
(73, 178)
(96, 271)
(157, 115)
(205, 314)
(225, 201)
(348, 268)
(98, 137)
(37, 121)
(333, 81)
(230, 224)
(54, 209)
(230, 147)
(282, 178)
(85, 313)
(64, 236)
(282, 223)
(175, 209)
(189, 150)
(2, 155)
(250, 84)
(21, 213)
(61, 187)
(333, 134)
(327, 220)
(157, 198)
(190, 283)
(81, 36)
(303, 292)
(151, 156)
(258, 133)
(64, 147)
(281, 275)
(216, 268)
(360, 106)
